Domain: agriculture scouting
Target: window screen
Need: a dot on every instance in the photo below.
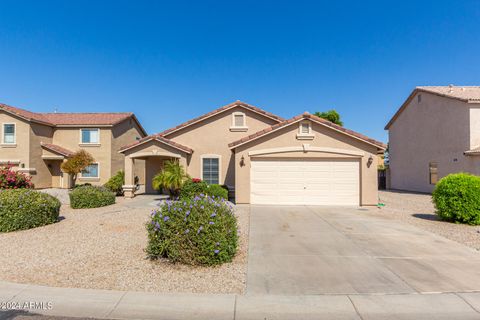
(91, 171)
(210, 170)
(8, 133)
(239, 120)
(304, 128)
(90, 136)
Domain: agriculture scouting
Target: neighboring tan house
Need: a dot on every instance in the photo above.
(267, 159)
(38, 143)
(434, 133)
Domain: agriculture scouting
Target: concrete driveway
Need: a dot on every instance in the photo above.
(297, 250)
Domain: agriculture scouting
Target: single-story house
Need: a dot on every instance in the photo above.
(435, 132)
(265, 158)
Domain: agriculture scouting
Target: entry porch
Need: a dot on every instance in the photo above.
(154, 154)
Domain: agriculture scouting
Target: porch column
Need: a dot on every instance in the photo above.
(129, 187)
(67, 179)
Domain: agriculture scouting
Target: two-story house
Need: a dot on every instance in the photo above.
(267, 159)
(38, 143)
(435, 132)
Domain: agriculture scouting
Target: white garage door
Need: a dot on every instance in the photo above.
(305, 182)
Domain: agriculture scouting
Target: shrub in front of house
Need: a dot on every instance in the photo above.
(457, 198)
(194, 187)
(217, 190)
(10, 179)
(197, 231)
(116, 182)
(91, 197)
(22, 209)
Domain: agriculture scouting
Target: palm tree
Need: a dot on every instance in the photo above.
(172, 177)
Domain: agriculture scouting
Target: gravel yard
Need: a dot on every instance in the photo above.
(103, 249)
(418, 210)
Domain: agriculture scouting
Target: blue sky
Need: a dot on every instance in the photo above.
(171, 61)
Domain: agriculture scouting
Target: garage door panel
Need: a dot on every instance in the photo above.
(319, 182)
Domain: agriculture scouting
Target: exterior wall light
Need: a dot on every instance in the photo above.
(370, 161)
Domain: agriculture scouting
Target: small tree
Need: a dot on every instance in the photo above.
(172, 177)
(77, 162)
(330, 115)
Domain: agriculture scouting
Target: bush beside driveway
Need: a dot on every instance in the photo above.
(418, 210)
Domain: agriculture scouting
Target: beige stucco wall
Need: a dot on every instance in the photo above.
(323, 137)
(434, 130)
(42, 176)
(123, 134)
(20, 151)
(213, 135)
(69, 138)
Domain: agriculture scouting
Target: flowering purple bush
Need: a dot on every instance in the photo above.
(197, 231)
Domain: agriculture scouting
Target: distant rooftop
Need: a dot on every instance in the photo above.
(465, 93)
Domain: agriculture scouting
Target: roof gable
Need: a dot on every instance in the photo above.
(467, 94)
(163, 140)
(313, 118)
(225, 108)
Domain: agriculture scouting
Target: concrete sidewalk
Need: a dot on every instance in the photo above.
(104, 304)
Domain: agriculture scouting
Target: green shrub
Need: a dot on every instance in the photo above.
(198, 231)
(196, 187)
(217, 191)
(192, 188)
(457, 198)
(22, 209)
(91, 197)
(115, 183)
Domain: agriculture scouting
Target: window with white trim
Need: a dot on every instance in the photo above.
(211, 170)
(9, 133)
(90, 136)
(90, 171)
(239, 121)
(304, 128)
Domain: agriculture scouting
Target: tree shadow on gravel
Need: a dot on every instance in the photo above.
(426, 216)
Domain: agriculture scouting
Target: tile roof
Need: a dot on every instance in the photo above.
(237, 103)
(169, 142)
(314, 118)
(468, 94)
(465, 93)
(57, 149)
(58, 119)
(25, 114)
